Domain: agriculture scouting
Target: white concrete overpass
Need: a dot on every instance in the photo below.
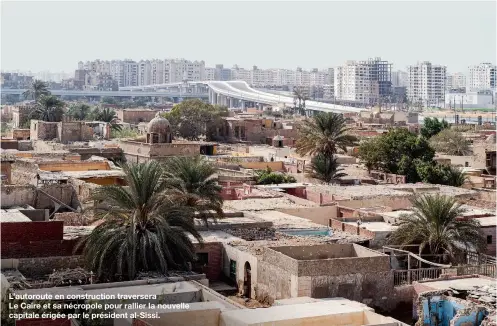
(228, 93)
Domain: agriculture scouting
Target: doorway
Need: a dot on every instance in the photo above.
(247, 280)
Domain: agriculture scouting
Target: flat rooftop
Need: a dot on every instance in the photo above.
(376, 226)
(371, 191)
(215, 236)
(326, 251)
(487, 221)
(286, 221)
(296, 312)
(463, 284)
(139, 288)
(261, 204)
(12, 215)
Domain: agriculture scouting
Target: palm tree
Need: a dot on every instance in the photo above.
(455, 177)
(324, 133)
(142, 229)
(193, 184)
(325, 168)
(298, 94)
(106, 115)
(436, 225)
(48, 108)
(80, 111)
(36, 89)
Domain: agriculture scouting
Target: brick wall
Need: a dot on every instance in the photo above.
(21, 134)
(25, 232)
(43, 322)
(214, 268)
(229, 193)
(33, 249)
(336, 225)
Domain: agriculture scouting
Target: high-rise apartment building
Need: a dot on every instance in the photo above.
(363, 81)
(157, 72)
(179, 70)
(144, 73)
(399, 78)
(456, 81)
(481, 77)
(222, 73)
(426, 83)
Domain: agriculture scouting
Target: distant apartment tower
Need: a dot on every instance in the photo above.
(380, 72)
(456, 81)
(399, 78)
(481, 77)
(125, 72)
(179, 70)
(221, 73)
(157, 72)
(426, 83)
(209, 74)
(144, 73)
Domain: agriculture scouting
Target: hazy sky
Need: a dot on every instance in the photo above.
(55, 35)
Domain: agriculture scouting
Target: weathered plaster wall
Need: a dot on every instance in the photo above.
(241, 257)
(320, 215)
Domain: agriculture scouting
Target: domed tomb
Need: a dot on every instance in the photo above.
(159, 130)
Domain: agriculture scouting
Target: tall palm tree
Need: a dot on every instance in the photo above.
(193, 184)
(324, 133)
(142, 229)
(436, 225)
(48, 108)
(36, 89)
(106, 115)
(325, 168)
(80, 111)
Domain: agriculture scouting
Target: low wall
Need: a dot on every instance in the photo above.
(320, 215)
(274, 166)
(40, 266)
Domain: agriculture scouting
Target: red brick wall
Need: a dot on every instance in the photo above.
(346, 212)
(349, 228)
(313, 196)
(336, 225)
(31, 231)
(214, 268)
(229, 193)
(43, 322)
(39, 248)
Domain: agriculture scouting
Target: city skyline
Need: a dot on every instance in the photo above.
(82, 43)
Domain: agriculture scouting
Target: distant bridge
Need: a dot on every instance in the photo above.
(233, 94)
(120, 93)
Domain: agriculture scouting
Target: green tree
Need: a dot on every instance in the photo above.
(300, 96)
(325, 168)
(109, 100)
(266, 177)
(192, 183)
(36, 89)
(432, 126)
(48, 108)
(324, 133)
(435, 225)
(432, 172)
(450, 142)
(80, 111)
(106, 115)
(396, 152)
(143, 228)
(192, 119)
